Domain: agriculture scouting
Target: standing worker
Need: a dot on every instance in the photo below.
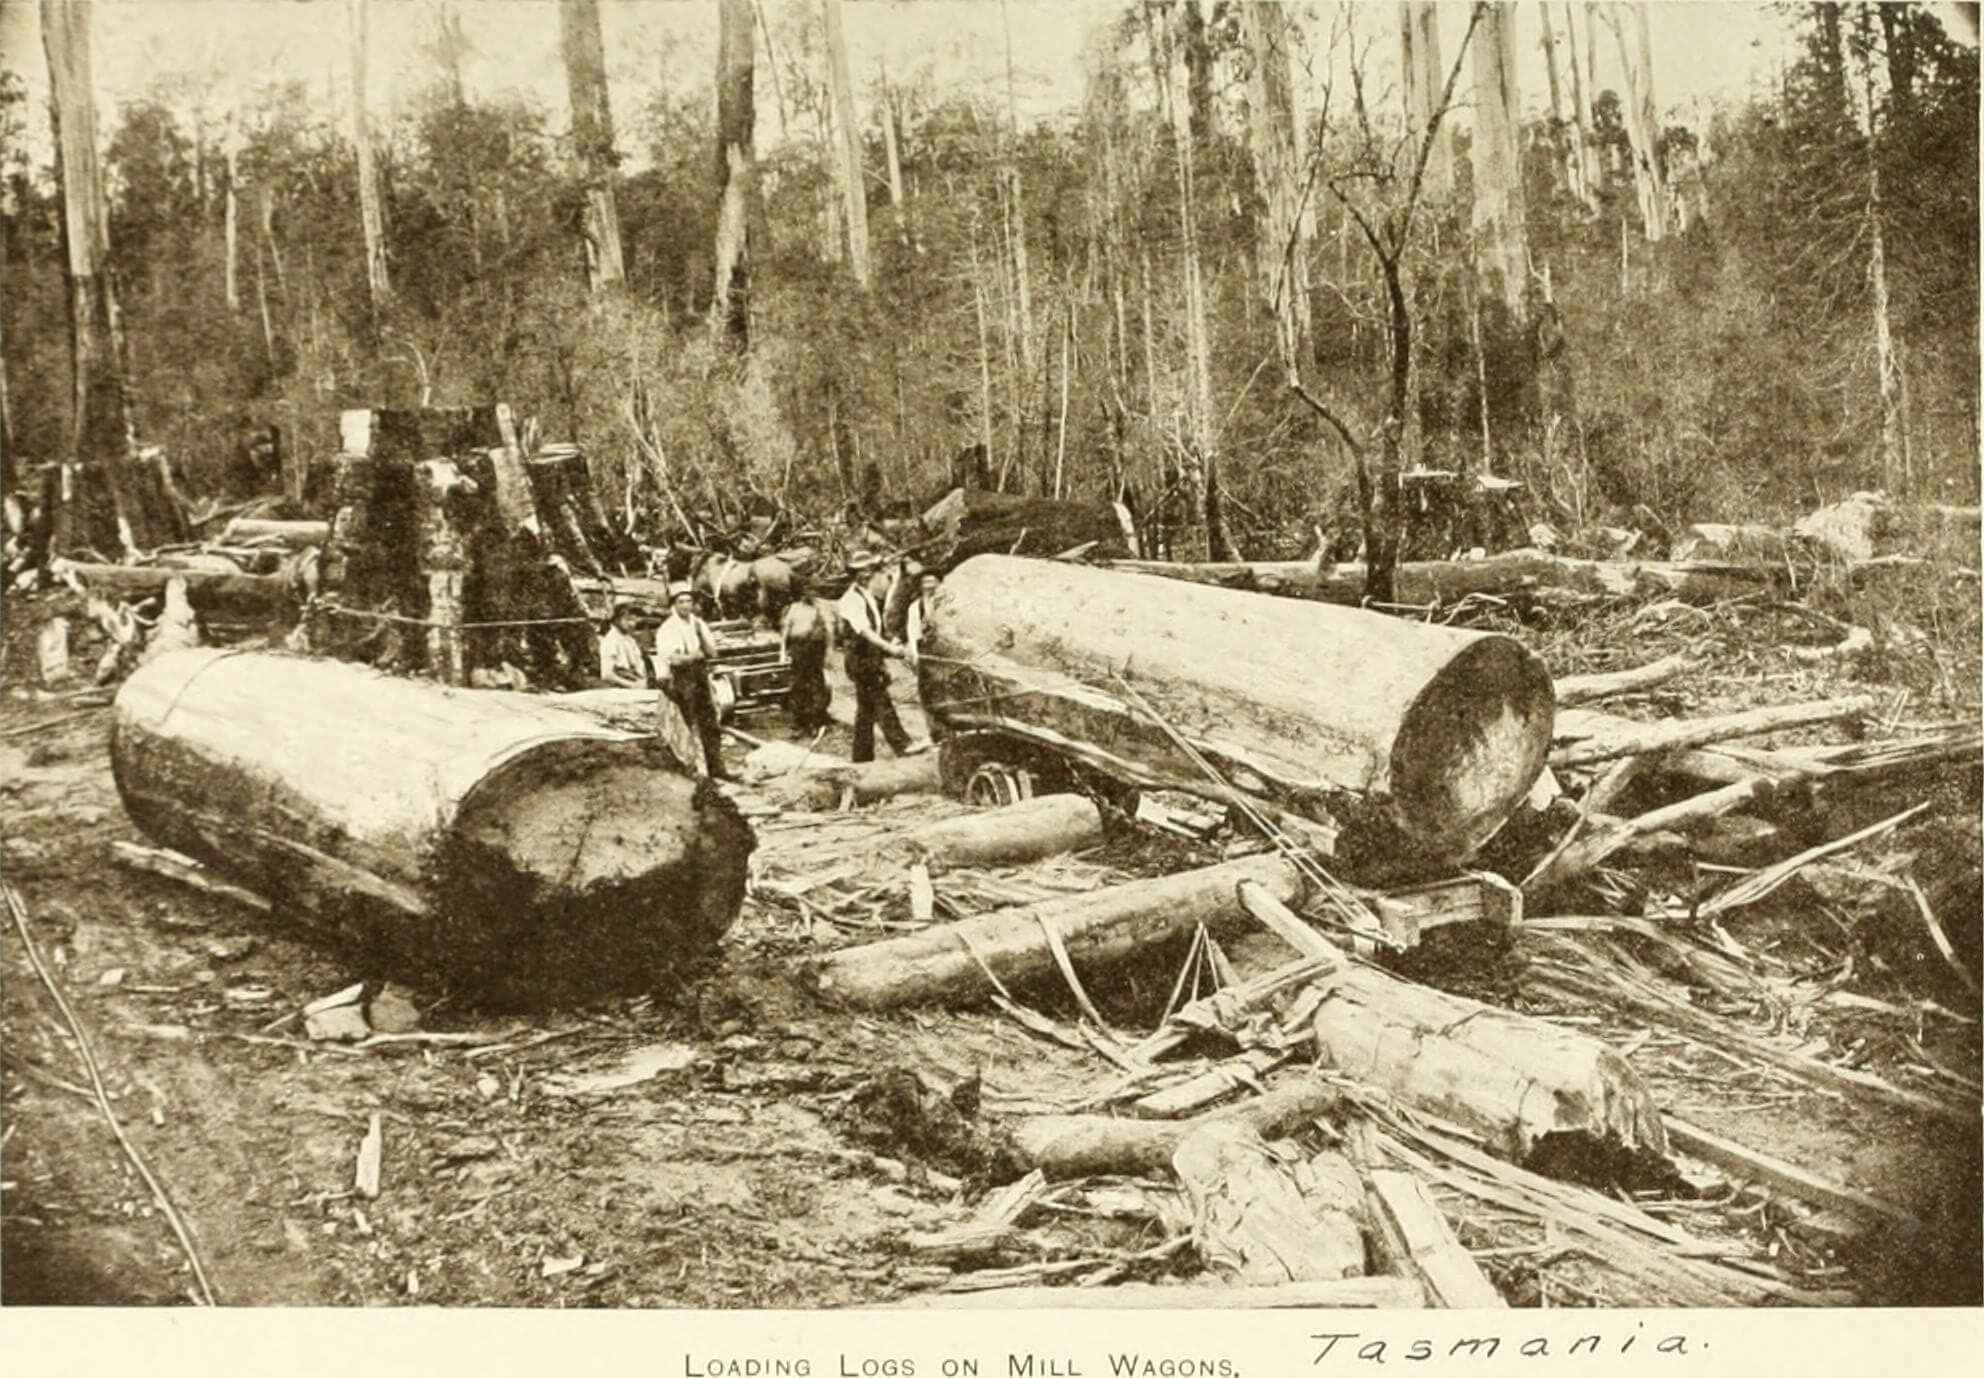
(622, 662)
(804, 635)
(919, 612)
(683, 643)
(868, 653)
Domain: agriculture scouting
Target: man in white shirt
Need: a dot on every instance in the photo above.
(919, 612)
(684, 646)
(868, 654)
(622, 662)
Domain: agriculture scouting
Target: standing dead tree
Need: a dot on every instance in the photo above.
(730, 309)
(371, 212)
(592, 132)
(1381, 189)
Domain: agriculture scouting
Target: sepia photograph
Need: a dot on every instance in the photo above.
(1238, 671)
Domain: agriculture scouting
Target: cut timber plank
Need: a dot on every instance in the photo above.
(1422, 1244)
(1758, 1166)
(1513, 1080)
(162, 861)
(1215, 1083)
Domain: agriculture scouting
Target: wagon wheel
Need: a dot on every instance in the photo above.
(995, 783)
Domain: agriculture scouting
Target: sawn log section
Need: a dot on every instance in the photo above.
(1429, 734)
(492, 843)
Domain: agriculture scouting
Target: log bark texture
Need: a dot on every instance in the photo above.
(489, 842)
(1008, 836)
(251, 598)
(1516, 1082)
(1259, 1222)
(1430, 735)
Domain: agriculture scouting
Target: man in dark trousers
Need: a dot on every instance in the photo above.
(805, 635)
(868, 654)
(683, 644)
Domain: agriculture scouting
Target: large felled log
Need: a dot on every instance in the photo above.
(230, 597)
(491, 842)
(1008, 836)
(1103, 926)
(1447, 581)
(284, 535)
(1517, 1082)
(1417, 731)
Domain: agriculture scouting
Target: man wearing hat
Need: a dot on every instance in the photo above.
(683, 643)
(868, 650)
(622, 662)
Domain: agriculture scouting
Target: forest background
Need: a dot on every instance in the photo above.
(1227, 253)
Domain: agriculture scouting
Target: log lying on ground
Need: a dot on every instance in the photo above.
(1100, 927)
(1007, 836)
(1071, 1146)
(1611, 741)
(1516, 1082)
(284, 535)
(1412, 730)
(491, 842)
(1421, 582)
(1576, 689)
(1259, 1222)
(230, 597)
(823, 781)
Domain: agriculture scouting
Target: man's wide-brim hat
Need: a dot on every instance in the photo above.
(862, 561)
(676, 591)
(624, 606)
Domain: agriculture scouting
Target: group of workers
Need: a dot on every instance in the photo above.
(684, 648)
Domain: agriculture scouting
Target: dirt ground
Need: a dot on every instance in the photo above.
(733, 1181)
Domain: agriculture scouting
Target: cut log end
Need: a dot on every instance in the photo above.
(1471, 745)
(586, 872)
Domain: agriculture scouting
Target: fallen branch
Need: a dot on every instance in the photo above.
(1762, 1167)
(1576, 689)
(1685, 732)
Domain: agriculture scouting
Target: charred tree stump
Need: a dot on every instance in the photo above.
(491, 843)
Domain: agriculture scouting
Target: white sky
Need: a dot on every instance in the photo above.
(216, 52)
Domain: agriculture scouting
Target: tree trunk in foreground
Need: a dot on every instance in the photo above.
(489, 842)
(1519, 1084)
(1443, 735)
(1259, 1222)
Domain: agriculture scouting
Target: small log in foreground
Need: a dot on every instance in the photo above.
(824, 781)
(1100, 927)
(1070, 1146)
(284, 535)
(1576, 689)
(1418, 1242)
(1007, 836)
(1514, 1081)
(491, 842)
(1340, 715)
